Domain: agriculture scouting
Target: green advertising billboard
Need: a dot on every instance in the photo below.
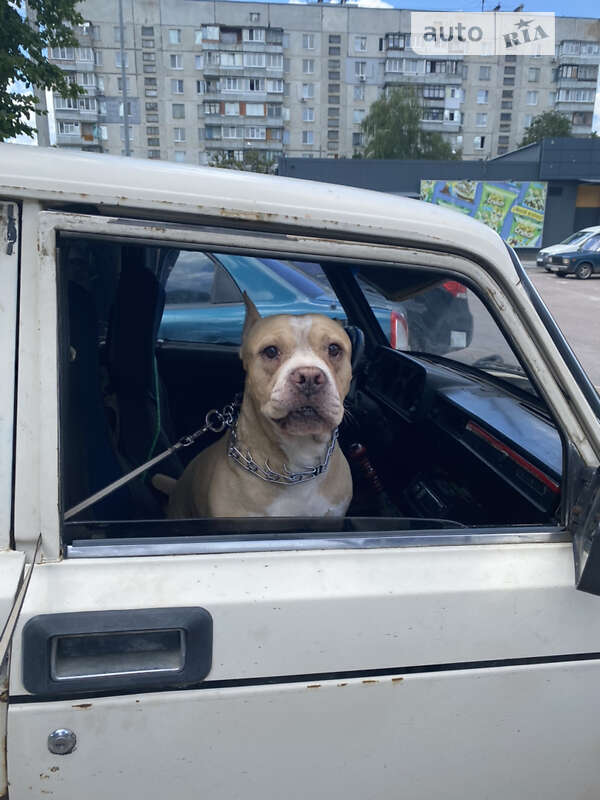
(514, 209)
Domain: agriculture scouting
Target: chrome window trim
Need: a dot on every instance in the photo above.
(259, 543)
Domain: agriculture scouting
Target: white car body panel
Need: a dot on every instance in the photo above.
(458, 670)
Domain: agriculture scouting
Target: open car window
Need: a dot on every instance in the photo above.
(437, 409)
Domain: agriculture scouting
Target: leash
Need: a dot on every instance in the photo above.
(215, 421)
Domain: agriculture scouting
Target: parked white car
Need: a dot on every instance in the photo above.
(441, 641)
(576, 239)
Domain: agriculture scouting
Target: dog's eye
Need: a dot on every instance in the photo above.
(334, 350)
(270, 352)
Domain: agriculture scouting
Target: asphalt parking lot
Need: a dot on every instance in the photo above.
(575, 305)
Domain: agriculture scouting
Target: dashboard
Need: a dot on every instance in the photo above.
(474, 432)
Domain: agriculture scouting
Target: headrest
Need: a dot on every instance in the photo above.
(357, 339)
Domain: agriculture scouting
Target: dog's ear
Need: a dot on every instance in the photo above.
(252, 314)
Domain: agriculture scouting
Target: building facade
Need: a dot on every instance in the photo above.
(208, 79)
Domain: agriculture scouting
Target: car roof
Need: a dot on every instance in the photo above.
(162, 187)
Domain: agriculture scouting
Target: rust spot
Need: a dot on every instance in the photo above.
(397, 680)
(43, 776)
(371, 680)
(314, 686)
(83, 705)
(3, 699)
(342, 684)
(54, 769)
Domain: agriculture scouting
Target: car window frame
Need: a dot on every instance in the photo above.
(507, 300)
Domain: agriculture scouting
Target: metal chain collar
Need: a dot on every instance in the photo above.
(265, 473)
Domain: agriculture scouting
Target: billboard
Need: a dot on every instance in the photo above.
(514, 209)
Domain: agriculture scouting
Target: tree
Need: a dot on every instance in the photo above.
(253, 161)
(393, 129)
(26, 33)
(548, 124)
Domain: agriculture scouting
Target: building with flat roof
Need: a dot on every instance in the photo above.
(210, 78)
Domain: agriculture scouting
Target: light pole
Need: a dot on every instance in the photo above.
(124, 81)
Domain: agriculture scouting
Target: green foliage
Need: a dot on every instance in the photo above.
(25, 34)
(253, 161)
(393, 129)
(546, 125)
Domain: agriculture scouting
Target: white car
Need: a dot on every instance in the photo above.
(441, 641)
(544, 256)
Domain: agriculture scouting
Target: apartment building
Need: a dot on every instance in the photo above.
(211, 77)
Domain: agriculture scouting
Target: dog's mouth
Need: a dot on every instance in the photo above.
(301, 414)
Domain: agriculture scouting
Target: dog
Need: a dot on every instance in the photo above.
(282, 457)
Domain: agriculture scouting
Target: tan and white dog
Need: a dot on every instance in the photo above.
(297, 375)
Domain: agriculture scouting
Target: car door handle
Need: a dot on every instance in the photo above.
(127, 650)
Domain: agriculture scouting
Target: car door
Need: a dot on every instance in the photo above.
(427, 664)
(11, 561)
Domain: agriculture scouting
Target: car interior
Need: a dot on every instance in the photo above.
(451, 436)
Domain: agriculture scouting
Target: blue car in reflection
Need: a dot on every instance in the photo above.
(204, 297)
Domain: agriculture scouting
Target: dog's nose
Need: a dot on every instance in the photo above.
(308, 379)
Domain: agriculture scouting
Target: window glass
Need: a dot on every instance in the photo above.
(448, 319)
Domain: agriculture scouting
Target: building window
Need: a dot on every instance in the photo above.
(532, 98)
(507, 93)
(482, 96)
(200, 87)
(432, 114)
(360, 44)
(198, 36)
(334, 51)
(147, 42)
(174, 36)
(485, 73)
(506, 104)
(151, 106)
(153, 153)
(255, 109)
(177, 86)
(233, 132)
(434, 92)
(128, 83)
(358, 115)
(176, 61)
(256, 133)
(254, 34)
(333, 112)
(275, 85)
(308, 91)
(509, 70)
(333, 99)
(87, 54)
(254, 16)
(481, 120)
(360, 69)
(153, 141)
(358, 139)
(308, 137)
(68, 128)
(506, 117)
(118, 64)
(335, 38)
(308, 41)
(147, 30)
(528, 119)
(308, 115)
(149, 57)
(358, 93)
(478, 142)
(274, 61)
(256, 84)
(210, 33)
(179, 155)
(179, 134)
(395, 41)
(62, 53)
(178, 110)
(254, 60)
(232, 109)
(333, 136)
(508, 82)
(533, 74)
(212, 108)
(308, 66)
